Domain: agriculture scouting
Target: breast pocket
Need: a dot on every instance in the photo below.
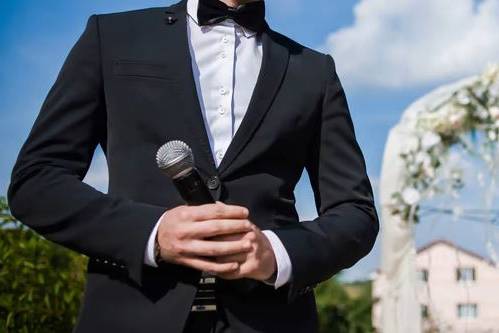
(124, 68)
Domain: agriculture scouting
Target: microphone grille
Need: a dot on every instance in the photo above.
(174, 157)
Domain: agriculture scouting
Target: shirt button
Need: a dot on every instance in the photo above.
(220, 154)
(223, 91)
(225, 39)
(223, 55)
(221, 110)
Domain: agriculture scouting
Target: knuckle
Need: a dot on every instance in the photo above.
(211, 252)
(182, 234)
(219, 210)
(251, 236)
(185, 214)
(172, 248)
(177, 248)
(229, 267)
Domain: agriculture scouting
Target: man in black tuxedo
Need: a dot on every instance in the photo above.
(256, 108)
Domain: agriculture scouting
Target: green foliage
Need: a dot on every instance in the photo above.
(344, 308)
(41, 283)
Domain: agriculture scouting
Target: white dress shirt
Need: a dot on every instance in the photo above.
(226, 60)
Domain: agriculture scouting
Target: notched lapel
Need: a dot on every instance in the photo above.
(274, 64)
(175, 20)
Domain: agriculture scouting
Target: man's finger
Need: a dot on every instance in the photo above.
(210, 228)
(238, 257)
(229, 237)
(217, 210)
(214, 249)
(208, 266)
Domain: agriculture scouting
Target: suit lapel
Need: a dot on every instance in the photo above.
(274, 65)
(176, 22)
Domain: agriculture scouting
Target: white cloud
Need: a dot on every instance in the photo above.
(408, 43)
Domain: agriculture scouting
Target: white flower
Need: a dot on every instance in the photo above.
(492, 135)
(482, 114)
(410, 196)
(412, 169)
(490, 74)
(423, 158)
(430, 120)
(463, 98)
(456, 174)
(445, 120)
(494, 112)
(456, 118)
(429, 171)
(430, 139)
(479, 90)
(411, 145)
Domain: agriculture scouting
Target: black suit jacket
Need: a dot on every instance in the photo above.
(127, 85)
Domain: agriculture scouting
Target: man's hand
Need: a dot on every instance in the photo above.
(259, 263)
(185, 236)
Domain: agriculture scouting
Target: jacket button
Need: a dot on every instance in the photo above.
(213, 183)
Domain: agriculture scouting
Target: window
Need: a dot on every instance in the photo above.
(467, 310)
(423, 275)
(424, 311)
(465, 274)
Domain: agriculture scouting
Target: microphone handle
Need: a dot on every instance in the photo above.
(192, 188)
(194, 191)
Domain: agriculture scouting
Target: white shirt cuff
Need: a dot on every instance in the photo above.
(282, 259)
(149, 258)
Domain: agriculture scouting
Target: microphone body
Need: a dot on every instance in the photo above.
(176, 160)
(192, 188)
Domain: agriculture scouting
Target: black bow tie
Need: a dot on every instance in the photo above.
(250, 15)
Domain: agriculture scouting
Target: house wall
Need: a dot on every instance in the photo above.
(443, 292)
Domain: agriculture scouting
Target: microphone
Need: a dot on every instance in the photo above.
(176, 160)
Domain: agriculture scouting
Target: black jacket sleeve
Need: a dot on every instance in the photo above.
(347, 225)
(46, 191)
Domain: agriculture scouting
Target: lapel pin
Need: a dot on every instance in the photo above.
(170, 20)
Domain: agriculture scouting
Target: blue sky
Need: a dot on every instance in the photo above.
(387, 54)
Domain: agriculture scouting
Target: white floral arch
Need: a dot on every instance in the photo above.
(414, 157)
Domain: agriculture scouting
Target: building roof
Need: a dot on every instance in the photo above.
(459, 248)
(445, 242)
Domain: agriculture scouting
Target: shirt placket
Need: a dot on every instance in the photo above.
(225, 91)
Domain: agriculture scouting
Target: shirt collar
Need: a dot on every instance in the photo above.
(192, 11)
